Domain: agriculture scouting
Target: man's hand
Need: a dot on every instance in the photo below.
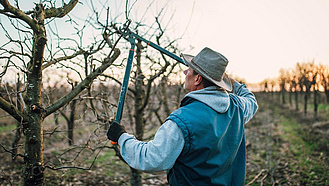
(115, 131)
(232, 80)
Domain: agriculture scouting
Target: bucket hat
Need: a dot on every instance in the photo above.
(210, 65)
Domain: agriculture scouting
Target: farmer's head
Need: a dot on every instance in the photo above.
(207, 68)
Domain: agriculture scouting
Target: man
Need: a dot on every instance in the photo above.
(203, 141)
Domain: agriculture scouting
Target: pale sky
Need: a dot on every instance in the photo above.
(257, 36)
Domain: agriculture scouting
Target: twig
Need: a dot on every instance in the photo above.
(74, 167)
(9, 151)
(53, 131)
(9, 97)
(263, 179)
(256, 177)
(92, 164)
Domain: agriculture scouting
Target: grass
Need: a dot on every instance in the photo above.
(7, 128)
(324, 108)
(313, 168)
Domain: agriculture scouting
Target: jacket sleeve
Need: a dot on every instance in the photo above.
(156, 155)
(247, 99)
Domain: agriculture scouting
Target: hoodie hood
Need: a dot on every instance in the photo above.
(213, 97)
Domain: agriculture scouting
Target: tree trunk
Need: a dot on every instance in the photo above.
(18, 135)
(315, 102)
(71, 122)
(290, 96)
(139, 113)
(178, 96)
(33, 171)
(135, 178)
(305, 101)
(296, 99)
(18, 131)
(164, 95)
(283, 94)
(34, 165)
(56, 114)
(89, 87)
(326, 91)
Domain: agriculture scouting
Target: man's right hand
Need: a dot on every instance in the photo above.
(231, 80)
(115, 131)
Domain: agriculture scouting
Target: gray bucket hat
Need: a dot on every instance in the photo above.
(210, 65)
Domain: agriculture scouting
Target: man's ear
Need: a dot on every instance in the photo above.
(198, 80)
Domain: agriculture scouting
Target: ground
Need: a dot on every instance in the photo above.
(284, 147)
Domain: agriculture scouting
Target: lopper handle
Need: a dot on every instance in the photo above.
(125, 82)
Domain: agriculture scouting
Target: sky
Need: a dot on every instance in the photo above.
(259, 37)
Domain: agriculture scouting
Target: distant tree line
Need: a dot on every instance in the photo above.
(305, 81)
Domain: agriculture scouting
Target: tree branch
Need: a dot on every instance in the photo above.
(54, 61)
(120, 83)
(13, 111)
(62, 11)
(13, 12)
(85, 83)
(9, 151)
(161, 71)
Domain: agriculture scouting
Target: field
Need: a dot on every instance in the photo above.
(284, 147)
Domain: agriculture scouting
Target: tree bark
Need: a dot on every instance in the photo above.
(135, 178)
(34, 166)
(326, 91)
(18, 131)
(296, 99)
(139, 113)
(315, 102)
(290, 96)
(139, 94)
(305, 101)
(163, 86)
(71, 122)
(71, 119)
(283, 90)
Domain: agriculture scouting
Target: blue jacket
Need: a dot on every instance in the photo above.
(214, 152)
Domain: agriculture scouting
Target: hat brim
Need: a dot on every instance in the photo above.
(224, 83)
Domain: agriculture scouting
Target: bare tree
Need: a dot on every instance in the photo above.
(315, 84)
(70, 118)
(306, 78)
(155, 66)
(324, 79)
(290, 85)
(282, 82)
(294, 87)
(304, 70)
(28, 57)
